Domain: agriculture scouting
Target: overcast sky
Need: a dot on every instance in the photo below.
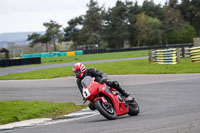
(29, 15)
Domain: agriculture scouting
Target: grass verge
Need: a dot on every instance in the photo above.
(111, 68)
(90, 57)
(13, 111)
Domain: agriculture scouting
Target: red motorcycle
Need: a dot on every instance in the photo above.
(107, 100)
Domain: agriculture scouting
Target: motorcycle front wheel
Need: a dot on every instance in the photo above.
(107, 110)
(134, 108)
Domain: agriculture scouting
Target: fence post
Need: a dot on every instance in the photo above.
(150, 56)
(178, 55)
(196, 42)
(183, 52)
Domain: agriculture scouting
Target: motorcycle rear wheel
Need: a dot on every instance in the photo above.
(108, 111)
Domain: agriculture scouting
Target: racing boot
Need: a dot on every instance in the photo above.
(123, 92)
(126, 95)
(115, 84)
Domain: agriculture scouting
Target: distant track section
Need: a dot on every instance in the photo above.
(6, 71)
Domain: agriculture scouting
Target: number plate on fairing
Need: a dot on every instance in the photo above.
(86, 93)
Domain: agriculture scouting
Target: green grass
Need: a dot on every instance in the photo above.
(13, 111)
(111, 68)
(90, 57)
(144, 67)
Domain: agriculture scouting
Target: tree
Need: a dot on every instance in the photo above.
(72, 31)
(183, 34)
(173, 3)
(172, 20)
(92, 24)
(154, 31)
(153, 10)
(52, 31)
(173, 17)
(185, 8)
(116, 26)
(149, 30)
(133, 10)
(44, 39)
(177, 29)
(36, 38)
(141, 29)
(195, 12)
(190, 10)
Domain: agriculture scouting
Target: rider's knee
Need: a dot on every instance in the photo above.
(113, 84)
(116, 84)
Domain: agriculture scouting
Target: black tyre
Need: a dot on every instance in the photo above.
(134, 108)
(108, 111)
(91, 106)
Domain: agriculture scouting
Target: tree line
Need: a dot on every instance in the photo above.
(127, 24)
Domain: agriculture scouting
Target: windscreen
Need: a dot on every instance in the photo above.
(86, 81)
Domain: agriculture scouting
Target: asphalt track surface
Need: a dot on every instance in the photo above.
(169, 104)
(5, 71)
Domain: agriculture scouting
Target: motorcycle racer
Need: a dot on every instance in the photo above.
(80, 72)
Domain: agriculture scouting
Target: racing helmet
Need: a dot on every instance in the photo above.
(78, 70)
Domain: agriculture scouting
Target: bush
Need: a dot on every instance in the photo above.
(182, 34)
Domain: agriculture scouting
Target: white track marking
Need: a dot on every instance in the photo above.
(85, 113)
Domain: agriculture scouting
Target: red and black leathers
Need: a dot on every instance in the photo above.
(98, 75)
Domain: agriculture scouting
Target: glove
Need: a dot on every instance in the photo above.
(103, 80)
(84, 99)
